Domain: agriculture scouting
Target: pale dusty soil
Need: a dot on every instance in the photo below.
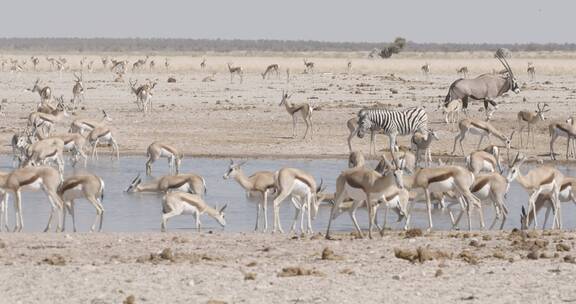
(223, 119)
(107, 268)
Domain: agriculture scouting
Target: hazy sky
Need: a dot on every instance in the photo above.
(360, 20)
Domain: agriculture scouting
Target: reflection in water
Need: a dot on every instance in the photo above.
(141, 211)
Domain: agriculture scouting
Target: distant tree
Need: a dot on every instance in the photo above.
(393, 48)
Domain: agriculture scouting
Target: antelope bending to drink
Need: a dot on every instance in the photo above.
(157, 150)
(176, 203)
(257, 187)
(182, 182)
(304, 109)
(269, 69)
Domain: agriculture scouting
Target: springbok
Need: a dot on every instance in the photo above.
(203, 64)
(90, 187)
(462, 71)
(352, 124)
(528, 119)
(35, 61)
(531, 70)
(156, 150)
(83, 126)
(257, 187)
(481, 128)
(452, 111)
(567, 193)
(269, 69)
(542, 179)
(365, 184)
(293, 109)
(101, 134)
(104, 62)
(47, 121)
(425, 69)
(44, 151)
(567, 130)
(487, 160)
(74, 143)
(44, 92)
(309, 66)
(177, 203)
(302, 187)
(77, 91)
(143, 94)
(182, 182)
(235, 70)
(484, 87)
(422, 142)
(33, 179)
(139, 63)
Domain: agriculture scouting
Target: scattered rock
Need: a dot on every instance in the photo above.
(533, 255)
(167, 254)
(216, 302)
(298, 271)
(475, 243)
(468, 257)
(2, 244)
(421, 254)
(499, 255)
(396, 277)
(250, 276)
(251, 264)
(328, 254)
(171, 79)
(129, 300)
(414, 232)
(486, 237)
(546, 255)
(347, 271)
(562, 247)
(55, 260)
(438, 273)
(393, 91)
(569, 259)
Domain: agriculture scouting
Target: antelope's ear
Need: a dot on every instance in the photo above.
(223, 208)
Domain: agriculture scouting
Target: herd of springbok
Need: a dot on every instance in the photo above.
(403, 176)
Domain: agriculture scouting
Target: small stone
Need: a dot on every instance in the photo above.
(562, 247)
(396, 277)
(249, 276)
(533, 255)
(438, 273)
(129, 300)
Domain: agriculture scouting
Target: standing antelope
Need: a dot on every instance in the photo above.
(269, 69)
(309, 66)
(540, 180)
(101, 134)
(257, 187)
(83, 126)
(365, 184)
(166, 63)
(482, 128)
(33, 179)
(528, 118)
(392, 122)
(139, 64)
(452, 111)
(304, 109)
(349, 67)
(567, 193)
(47, 121)
(35, 61)
(143, 95)
(157, 150)
(567, 130)
(302, 187)
(104, 62)
(44, 92)
(182, 182)
(487, 160)
(77, 91)
(531, 70)
(352, 125)
(425, 69)
(462, 71)
(152, 65)
(421, 142)
(44, 151)
(235, 70)
(177, 203)
(90, 187)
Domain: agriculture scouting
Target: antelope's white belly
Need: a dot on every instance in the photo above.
(564, 195)
(487, 166)
(74, 193)
(547, 188)
(300, 189)
(165, 153)
(483, 192)
(358, 194)
(184, 188)
(189, 209)
(35, 186)
(477, 131)
(442, 186)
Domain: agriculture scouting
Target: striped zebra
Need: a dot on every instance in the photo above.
(392, 122)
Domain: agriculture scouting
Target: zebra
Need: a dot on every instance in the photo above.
(392, 122)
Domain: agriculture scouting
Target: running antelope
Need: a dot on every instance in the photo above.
(301, 186)
(567, 194)
(182, 182)
(257, 187)
(528, 119)
(309, 66)
(304, 109)
(487, 160)
(156, 150)
(365, 184)
(44, 92)
(540, 180)
(440, 180)
(422, 142)
(77, 91)
(83, 126)
(101, 134)
(567, 130)
(90, 187)
(177, 203)
(531, 70)
(481, 128)
(235, 70)
(33, 179)
(269, 69)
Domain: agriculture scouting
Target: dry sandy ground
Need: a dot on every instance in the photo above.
(231, 119)
(491, 267)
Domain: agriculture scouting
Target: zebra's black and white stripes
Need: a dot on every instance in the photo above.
(393, 122)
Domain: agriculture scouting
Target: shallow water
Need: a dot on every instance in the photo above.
(132, 212)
